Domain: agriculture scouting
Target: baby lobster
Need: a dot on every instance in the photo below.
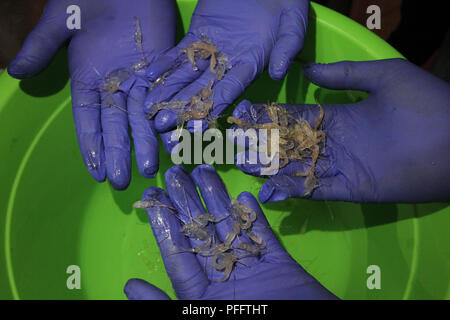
(206, 251)
(310, 181)
(205, 218)
(243, 214)
(196, 231)
(201, 104)
(252, 249)
(204, 50)
(145, 204)
(201, 50)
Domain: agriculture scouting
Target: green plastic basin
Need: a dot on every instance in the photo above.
(53, 214)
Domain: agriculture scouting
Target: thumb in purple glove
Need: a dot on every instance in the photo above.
(137, 289)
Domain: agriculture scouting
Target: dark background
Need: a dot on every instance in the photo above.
(418, 29)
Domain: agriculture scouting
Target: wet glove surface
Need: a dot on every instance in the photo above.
(271, 275)
(108, 57)
(252, 34)
(393, 146)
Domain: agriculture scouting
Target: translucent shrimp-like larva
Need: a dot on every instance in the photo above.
(242, 214)
(138, 33)
(145, 204)
(206, 250)
(205, 218)
(201, 50)
(161, 80)
(195, 230)
(114, 79)
(205, 49)
(310, 181)
(235, 231)
(169, 105)
(255, 238)
(298, 140)
(138, 39)
(212, 250)
(252, 249)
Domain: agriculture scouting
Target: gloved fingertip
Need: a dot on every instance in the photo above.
(149, 171)
(95, 166)
(34, 57)
(118, 167)
(137, 289)
(269, 193)
(200, 169)
(242, 109)
(119, 186)
(277, 76)
(249, 162)
(98, 175)
(246, 198)
(165, 120)
(174, 171)
(153, 192)
(17, 70)
(147, 157)
(169, 141)
(251, 169)
(119, 179)
(132, 287)
(278, 69)
(313, 71)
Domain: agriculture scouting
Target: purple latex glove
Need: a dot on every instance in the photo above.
(273, 275)
(392, 147)
(106, 44)
(251, 33)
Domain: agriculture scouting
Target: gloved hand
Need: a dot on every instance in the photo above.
(250, 33)
(107, 62)
(393, 146)
(273, 275)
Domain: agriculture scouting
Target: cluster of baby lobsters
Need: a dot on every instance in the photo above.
(297, 140)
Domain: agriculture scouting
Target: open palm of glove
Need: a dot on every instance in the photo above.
(393, 146)
(251, 34)
(272, 274)
(108, 56)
